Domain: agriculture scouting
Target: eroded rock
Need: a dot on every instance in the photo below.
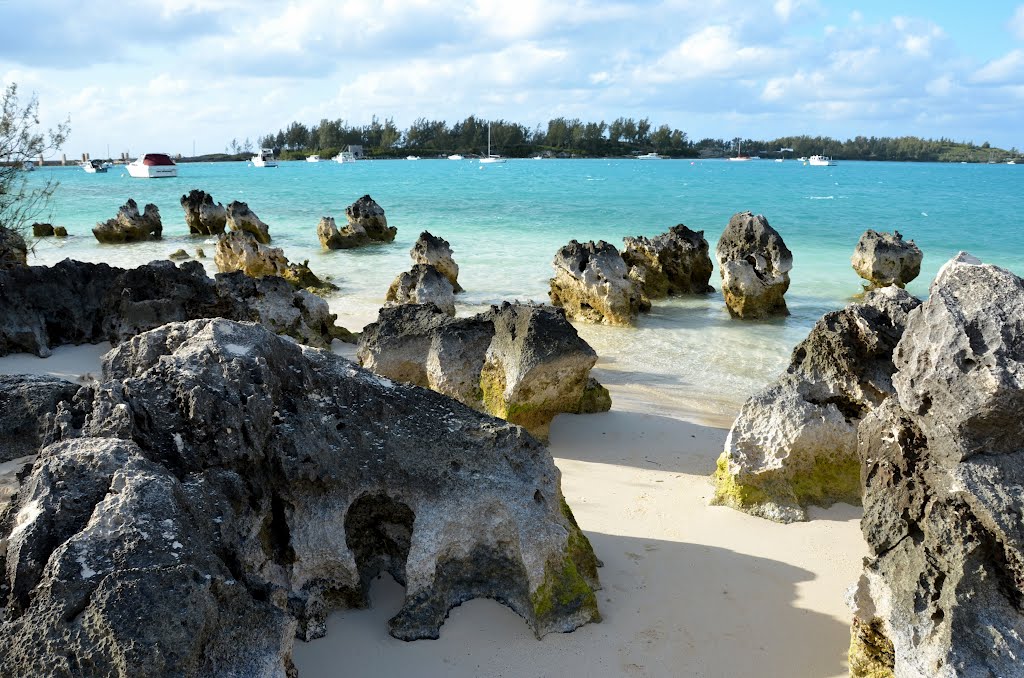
(13, 249)
(40, 230)
(794, 443)
(241, 251)
(672, 263)
(202, 215)
(754, 264)
(886, 259)
(130, 226)
(593, 283)
(241, 218)
(366, 224)
(424, 284)
(521, 362)
(436, 252)
(25, 400)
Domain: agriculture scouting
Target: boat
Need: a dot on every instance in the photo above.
(94, 166)
(345, 156)
(313, 158)
(490, 158)
(1011, 162)
(802, 158)
(28, 166)
(821, 161)
(650, 156)
(152, 166)
(783, 152)
(265, 158)
(739, 157)
(412, 157)
(455, 156)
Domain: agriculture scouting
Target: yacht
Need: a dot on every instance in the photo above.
(455, 156)
(412, 157)
(94, 166)
(739, 157)
(152, 166)
(821, 161)
(265, 158)
(650, 156)
(313, 158)
(490, 158)
(345, 156)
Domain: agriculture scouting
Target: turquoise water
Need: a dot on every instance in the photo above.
(505, 222)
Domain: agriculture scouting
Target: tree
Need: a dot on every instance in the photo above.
(21, 142)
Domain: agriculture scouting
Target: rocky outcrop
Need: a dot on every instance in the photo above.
(178, 255)
(40, 230)
(112, 304)
(521, 362)
(241, 251)
(794, 442)
(943, 465)
(60, 231)
(241, 218)
(227, 489)
(593, 283)
(13, 249)
(886, 259)
(754, 264)
(424, 284)
(431, 250)
(366, 224)
(672, 263)
(130, 226)
(25, 400)
(202, 215)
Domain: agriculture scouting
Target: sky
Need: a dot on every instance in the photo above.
(165, 75)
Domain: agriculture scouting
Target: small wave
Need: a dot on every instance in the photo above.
(821, 197)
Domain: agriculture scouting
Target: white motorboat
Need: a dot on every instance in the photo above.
(313, 158)
(802, 158)
(345, 156)
(490, 158)
(821, 161)
(265, 158)
(650, 156)
(152, 166)
(455, 156)
(93, 166)
(412, 157)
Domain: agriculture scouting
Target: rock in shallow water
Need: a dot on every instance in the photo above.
(202, 215)
(593, 283)
(366, 224)
(436, 252)
(424, 284)
(130, 226)
(886, 259)
(672, 263)
(229, 488)
(754, 264)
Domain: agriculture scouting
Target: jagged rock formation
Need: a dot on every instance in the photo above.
(25, 400)
(424, 284)
(754, 264)
(13, 249)
(225, 489)
(436, 252)
(886, 259)
(241, 218)
(593, 283)
(241, 251)
(130, 226)
(672, 263)
(942, 593)
(366, 224)
(40, 230)
(202, 215)
(112, 304)
(521, 362)
(794, 442)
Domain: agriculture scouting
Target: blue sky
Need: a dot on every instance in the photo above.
(162, 74)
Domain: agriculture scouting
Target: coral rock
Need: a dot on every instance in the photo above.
(366, 224)
(130, 226)
(243, 251)
(60, 231)
(424, 284)
(42, 230)
(754, 264)
(592, 283)
(25, 400)
(886, 259)
(13, 249)
(241, 218)
(672, 263)
(436, 252)
(202, 215)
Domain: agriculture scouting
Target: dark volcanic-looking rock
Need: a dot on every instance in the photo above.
(241, 218)
(794, 442)
(424, 284)
(202, 215)
(13, 249)
(42, 230)
(229, 488)
(943, 467)
(24, 401)
(60, 231)
(593, 283)
(111, 304)
(672, 263)
(130, 226)
(366, 224)
(886, 259)
(754, 264)
(521, 362)
(429, 249)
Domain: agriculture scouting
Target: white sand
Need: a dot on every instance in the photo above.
(689, 590)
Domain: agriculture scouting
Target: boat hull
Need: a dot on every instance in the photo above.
(492, 161)
(152, 171)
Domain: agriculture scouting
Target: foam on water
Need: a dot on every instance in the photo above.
(686, 358)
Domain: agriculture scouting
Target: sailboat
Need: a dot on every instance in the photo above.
(490, 158)
(739, 157)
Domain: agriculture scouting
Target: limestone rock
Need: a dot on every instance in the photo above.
(366, 224)
(672, 263)
(424, 284)
(301, 277)
(886, 259)
(436, 252)
(236, 487)
(42, 230)
(241, 218)
(25, 400)
(13, 249)
(754, 264)
(112, 304)
(592, 283)
(794, 443)
(943, 468)
(60, 231)
(130, 226)
(178, 255)
(523, 363)
(240, 250)
(202, 215)
(200, 254)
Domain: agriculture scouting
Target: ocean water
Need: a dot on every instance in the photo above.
(687, 358)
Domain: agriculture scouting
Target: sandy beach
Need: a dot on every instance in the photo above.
(688, 589)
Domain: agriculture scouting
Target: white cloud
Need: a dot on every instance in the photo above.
(1006, 70)
(714, 51)
(1017, 23)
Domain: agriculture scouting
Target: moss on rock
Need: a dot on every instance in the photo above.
(871, 652)
(569, 584)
